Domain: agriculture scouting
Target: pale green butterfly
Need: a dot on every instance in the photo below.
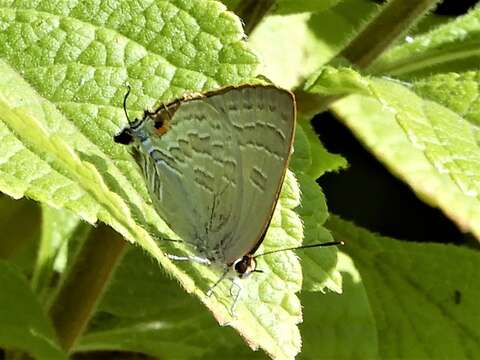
(214, 164)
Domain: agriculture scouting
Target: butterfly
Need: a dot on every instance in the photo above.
(214, 164)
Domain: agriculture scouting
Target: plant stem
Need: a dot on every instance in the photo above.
(84, 283)
(395, 18)
(252, 12)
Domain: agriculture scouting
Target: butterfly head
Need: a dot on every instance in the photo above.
(125, 137)
(153, 124)
(245, 266)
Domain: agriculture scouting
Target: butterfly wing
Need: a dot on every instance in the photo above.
(192, 173)
(263, 119)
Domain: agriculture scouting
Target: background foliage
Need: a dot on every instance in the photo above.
(63, 70)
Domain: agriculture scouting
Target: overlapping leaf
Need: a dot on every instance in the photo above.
(310, 156)
(428, 145)
(340, 326)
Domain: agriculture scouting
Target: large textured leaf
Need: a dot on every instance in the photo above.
(460, 92)
(424, 294)
(64, 67)
(431, 147)
(24, 326)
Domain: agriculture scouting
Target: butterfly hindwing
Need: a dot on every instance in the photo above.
(263, 119)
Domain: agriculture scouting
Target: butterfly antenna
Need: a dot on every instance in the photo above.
(331, 243)
(125, 103)
(171, 240)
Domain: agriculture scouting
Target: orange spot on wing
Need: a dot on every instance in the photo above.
(163, 129)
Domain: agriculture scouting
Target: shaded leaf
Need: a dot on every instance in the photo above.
(415, 293)
(339, 327)
(20, 227)
(24, 325)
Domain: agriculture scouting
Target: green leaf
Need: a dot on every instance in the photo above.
(416, 295)
(24, 325)
(319, 264)
(429, 146)
(166, 322)
(333, 81)
(60, 230)
(301, 159)
(339, 327)
(317, 38)
(64, 68)
(458, 92)
(452, 47)
(310, 156)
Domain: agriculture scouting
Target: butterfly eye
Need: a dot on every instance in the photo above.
(242, 265)
(158, 124)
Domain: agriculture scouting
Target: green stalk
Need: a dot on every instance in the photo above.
(84, 283)
(252, 12)
(395, 18)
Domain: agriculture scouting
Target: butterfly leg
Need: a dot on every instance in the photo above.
(196, 259)
(210, 291)
(235, 284)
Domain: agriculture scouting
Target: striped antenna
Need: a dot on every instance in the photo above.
(331, 243)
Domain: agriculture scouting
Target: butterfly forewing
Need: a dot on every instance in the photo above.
(193, 176)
